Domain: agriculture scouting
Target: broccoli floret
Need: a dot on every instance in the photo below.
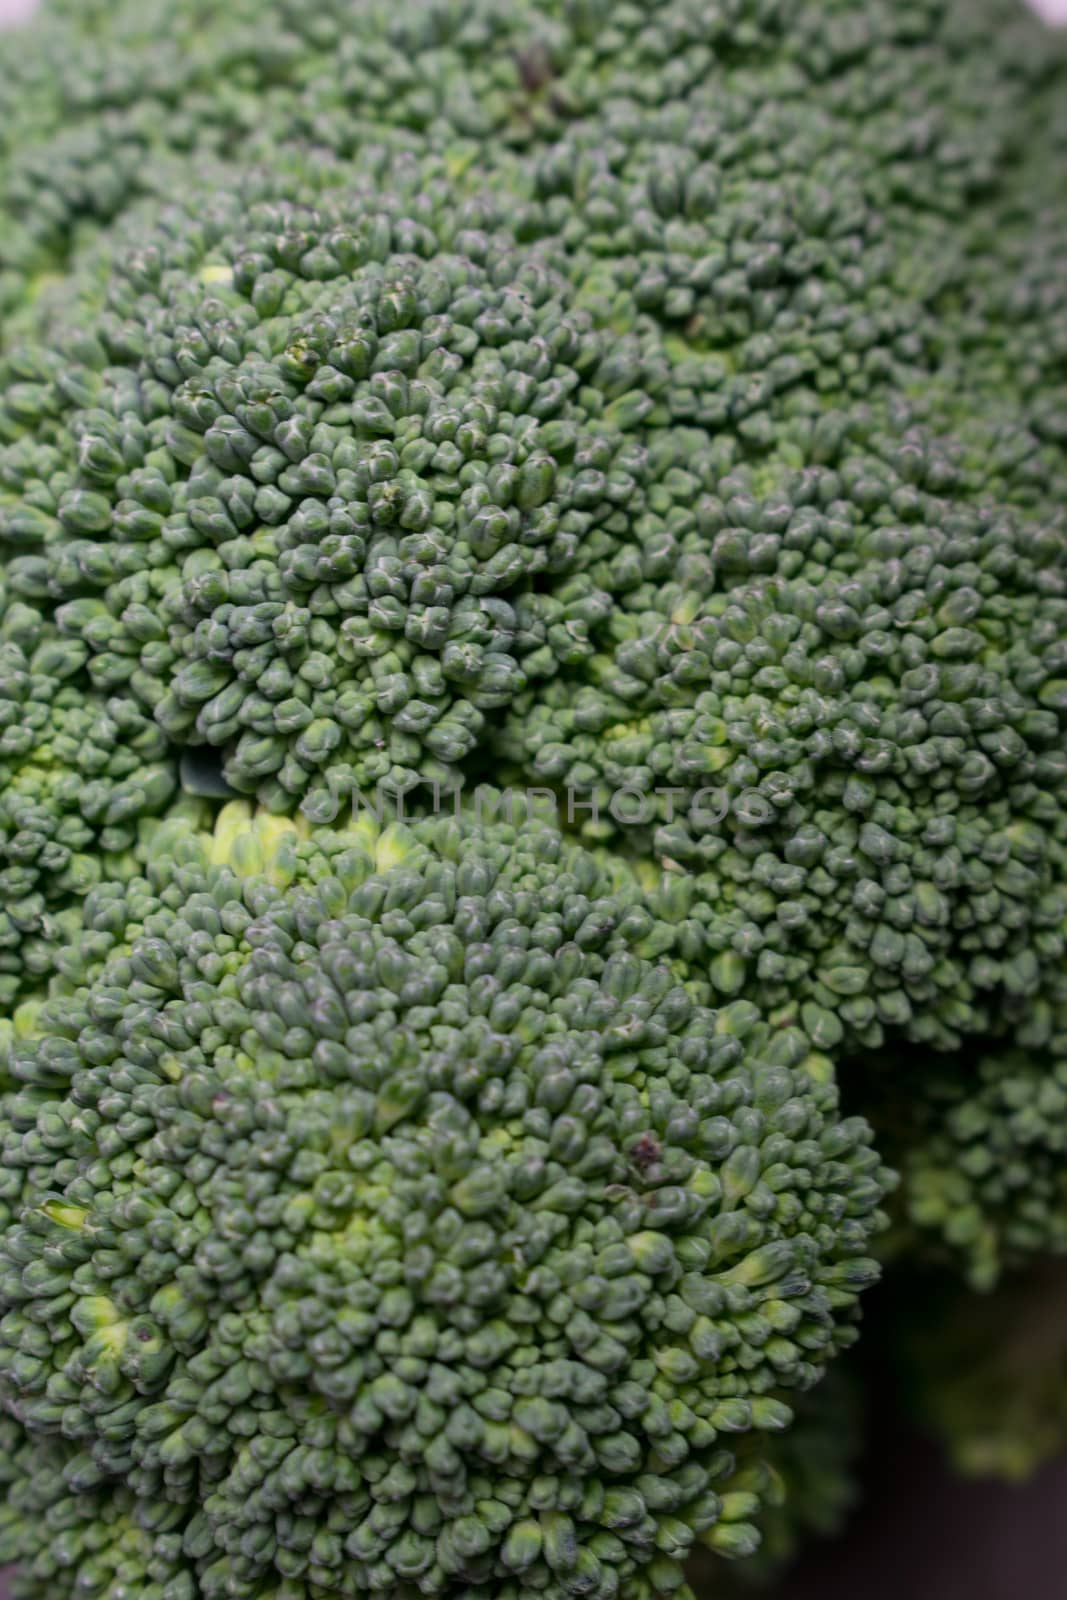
(984, 1161)
(990, 1384)
(314, 474)
(374, 1208)
(977, 1138)
(633, 475)
(860, 738)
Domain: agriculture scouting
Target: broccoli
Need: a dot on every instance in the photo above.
(310, 538)
(872, 801)
(75, 768)
(562, 452)
(980, 1141)
(663, 407)
(992, 1389)
(374, 1209)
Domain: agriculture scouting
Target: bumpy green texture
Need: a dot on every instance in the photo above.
(981, 1145)
(306, 531)
(874, 737)
(374, 1210)
(655, 397)
(77, 771)
(628, 395)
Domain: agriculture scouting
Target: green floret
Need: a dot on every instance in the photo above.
(984, 1161)
(845, 719)
(990, 1385)
(66, 1526)
(76, 772)
(804, 1479)
(377, 1211)
(656, 459)
(312, 466)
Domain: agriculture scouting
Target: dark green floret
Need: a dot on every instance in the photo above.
(984, 1168)
(625, 394)
(315, 461)
(375, 1210)
(844, 721)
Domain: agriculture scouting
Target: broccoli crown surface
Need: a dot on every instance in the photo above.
(374, 1205)
(661, 404)
(859, 750)
(312, 483)
(77, 772)
(630, 398)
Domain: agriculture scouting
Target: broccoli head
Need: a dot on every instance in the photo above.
(377, 1212)
(656, 402)
(981, 1153)
(577, 392)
